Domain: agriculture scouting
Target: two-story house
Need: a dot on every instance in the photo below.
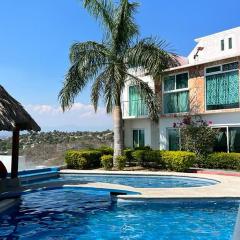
(205, 84)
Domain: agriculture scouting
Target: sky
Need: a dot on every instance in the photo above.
(35, 37)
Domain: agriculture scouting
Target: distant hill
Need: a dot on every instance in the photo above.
(47, 148)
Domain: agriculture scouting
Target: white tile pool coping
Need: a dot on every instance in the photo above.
(228, 186)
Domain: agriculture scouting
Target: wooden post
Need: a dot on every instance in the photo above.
(15, 153)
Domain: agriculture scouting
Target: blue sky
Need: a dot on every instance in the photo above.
(36, 36)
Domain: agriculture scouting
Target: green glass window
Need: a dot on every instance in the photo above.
(230, 43)
(138, 138)
(222, 45)
(220, 144)
(213, 69)
(173, 139)
(234, 139)
(222, 91)
(169, 83)
(182, 81)
(230, 66)
(137, 106)
(176, 102)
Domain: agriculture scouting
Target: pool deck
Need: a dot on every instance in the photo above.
(228, 186)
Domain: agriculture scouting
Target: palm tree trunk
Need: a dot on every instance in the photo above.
(118, 132)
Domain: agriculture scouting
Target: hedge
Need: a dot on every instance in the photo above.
(178, 161)
(171, 160)
(105, 150)
(83, 159)
(222, 160)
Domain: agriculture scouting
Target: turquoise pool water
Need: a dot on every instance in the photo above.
(90, 215)
(142, 181)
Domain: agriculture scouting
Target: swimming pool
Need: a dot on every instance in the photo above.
(142, 181)
(70, 213)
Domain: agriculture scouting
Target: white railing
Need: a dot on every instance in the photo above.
(134, 108)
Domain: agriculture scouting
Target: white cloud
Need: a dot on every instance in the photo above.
(79, 117)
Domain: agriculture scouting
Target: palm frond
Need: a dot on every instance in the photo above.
(98, 87)
(152, 56)
(102, 10)
(79, 74)
(125, 28)
(88, 51)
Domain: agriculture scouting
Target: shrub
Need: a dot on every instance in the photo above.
(138, 156)
(222, 160)
(107, 162)
(196, 135)
(153, 159)
(129, 158)
(121, 162)
(105, 150)
(82, 159)
(148, 158)
(178, 161)
(143, 148)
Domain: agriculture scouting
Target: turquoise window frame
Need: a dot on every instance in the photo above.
(138, 137)
(176, 94)
(137, 106)
(170, 133)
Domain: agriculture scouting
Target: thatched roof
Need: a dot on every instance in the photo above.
(12, 114)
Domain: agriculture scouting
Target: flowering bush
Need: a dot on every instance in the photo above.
(196, 135)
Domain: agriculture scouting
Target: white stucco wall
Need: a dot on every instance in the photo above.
(212, 46)
(130, 125)
(151, 132)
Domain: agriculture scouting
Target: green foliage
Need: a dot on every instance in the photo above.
(222, 160)
(171, 160)
(143, 148)
(128, 154)
(178, 161)
(82, 159)
(148, 158)
(153, 158)
(105, 150)
(121, 162)
(138, 156)
(107, 162)
(197, 136)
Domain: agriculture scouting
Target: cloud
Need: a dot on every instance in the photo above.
(79, 117)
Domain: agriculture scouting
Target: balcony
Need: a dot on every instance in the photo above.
(134, 109)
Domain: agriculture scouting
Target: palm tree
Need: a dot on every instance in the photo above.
(107, 63)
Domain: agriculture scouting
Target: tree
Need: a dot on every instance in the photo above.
(107, 63)
(196, 135)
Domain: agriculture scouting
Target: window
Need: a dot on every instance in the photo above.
(222, 45)
(173, 139)
(228, 139)
(137, 106)
(176, 93)
(230, 43)
(222, 87)
(138, 138)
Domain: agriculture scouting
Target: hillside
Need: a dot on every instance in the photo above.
(47, 148)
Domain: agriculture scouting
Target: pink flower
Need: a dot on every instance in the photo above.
(210, 122)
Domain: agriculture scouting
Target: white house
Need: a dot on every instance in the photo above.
(206, 84)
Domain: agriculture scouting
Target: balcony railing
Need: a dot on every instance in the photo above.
(134, 108)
